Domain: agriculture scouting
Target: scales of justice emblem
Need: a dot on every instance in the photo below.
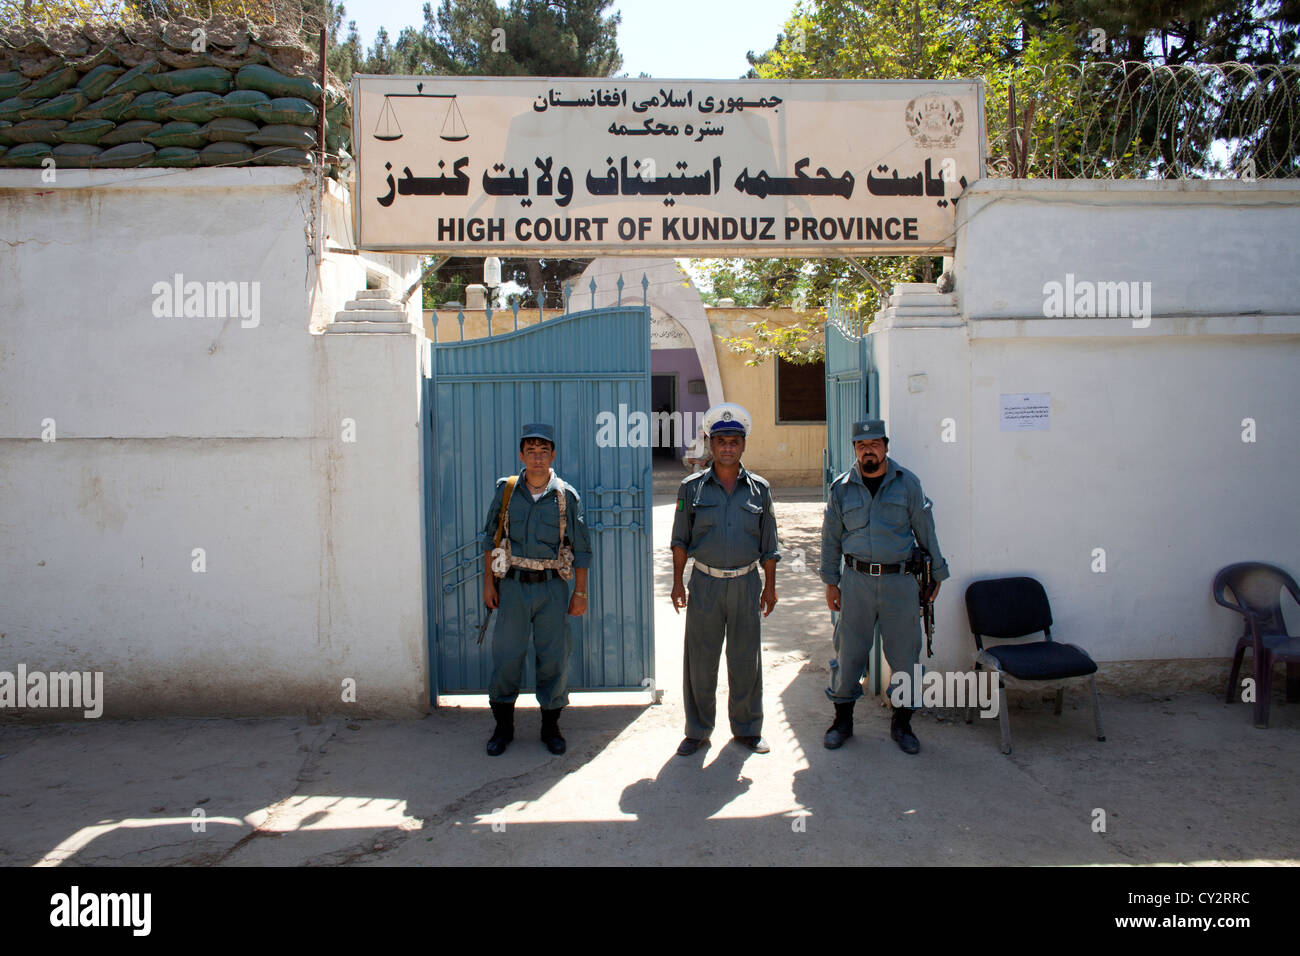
(453, 130)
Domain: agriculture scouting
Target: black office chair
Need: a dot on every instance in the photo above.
(1257, 587)
(1005, 608)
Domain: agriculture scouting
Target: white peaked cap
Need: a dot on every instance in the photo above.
(728, 417)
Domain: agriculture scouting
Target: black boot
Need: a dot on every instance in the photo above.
(551, 731)
(505, 729)
(842, 729)
(900, 728)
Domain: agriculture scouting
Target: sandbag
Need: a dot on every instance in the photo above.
(28, 154)
(225, 154)
(75, 155)
(11, 84)
(212, 79)
(84, 131)
(98, 80)
(273, 83)
(287, 109)
(124, 156)
(3, 150)
(4, 138)
(281, 156)
(240, 103)
(109, 108)
(52, 84)
(175, 156)
(177, 134)
(12, 108)
(61, 107)
(35, 131)
(194, 107)
(132, 131)
(146, 106)
(135, 80)
(226, 129)
(284, 135)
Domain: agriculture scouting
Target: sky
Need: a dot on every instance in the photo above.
(687, 39)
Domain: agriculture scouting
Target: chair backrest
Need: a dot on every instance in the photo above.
(1257, 588)
(1008, 607)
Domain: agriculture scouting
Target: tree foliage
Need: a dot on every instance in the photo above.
(479, 38)
(1045, 48)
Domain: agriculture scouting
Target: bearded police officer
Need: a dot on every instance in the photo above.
(726, 522)
(534, 546)
(875, 513)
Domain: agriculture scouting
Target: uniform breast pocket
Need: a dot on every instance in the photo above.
(751, 513)
(855, 517)
(705, 517)
(548, 529)
(894, 510)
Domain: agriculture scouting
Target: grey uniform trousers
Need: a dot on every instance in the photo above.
(718, 606)
(543, 608)
(890, 599)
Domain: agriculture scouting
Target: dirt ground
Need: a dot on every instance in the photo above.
(1174, 778)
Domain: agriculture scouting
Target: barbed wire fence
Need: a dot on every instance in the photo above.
(1138, 120)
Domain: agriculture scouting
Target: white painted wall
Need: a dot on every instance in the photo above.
(1144, 456)
(183, 433)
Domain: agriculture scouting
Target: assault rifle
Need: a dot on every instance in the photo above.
(919, 567)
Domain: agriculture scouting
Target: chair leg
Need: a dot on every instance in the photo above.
(1004, 719)
(1292, 683)
(1236, 672)
(1096, 708)
(1263, 688)
(1060, 700)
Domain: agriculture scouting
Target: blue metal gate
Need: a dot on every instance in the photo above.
(852, 394)
(852, 388)
(480, 393)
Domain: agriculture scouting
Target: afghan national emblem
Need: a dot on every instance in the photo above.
(934, 121)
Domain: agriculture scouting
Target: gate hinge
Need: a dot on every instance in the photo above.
(656, 694)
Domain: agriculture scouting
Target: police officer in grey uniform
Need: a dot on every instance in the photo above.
(536, 600)
(726, 522)
(874, 514)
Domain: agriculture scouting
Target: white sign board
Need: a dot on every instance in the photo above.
(1027, 412)
(518, 166)
(667, 333)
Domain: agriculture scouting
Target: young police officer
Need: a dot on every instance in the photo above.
(534, 548)
(874, 511)
(724, 520)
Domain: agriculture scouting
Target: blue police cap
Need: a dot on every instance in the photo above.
(539, 430)
(869, 429)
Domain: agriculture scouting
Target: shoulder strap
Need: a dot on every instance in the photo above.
(502, 518)
(562, 500)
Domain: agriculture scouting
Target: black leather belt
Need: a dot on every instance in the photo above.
(875, 570)
(530, 577)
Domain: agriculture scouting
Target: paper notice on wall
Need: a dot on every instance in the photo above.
(1026, 412)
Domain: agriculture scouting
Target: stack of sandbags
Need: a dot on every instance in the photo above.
(220, 92)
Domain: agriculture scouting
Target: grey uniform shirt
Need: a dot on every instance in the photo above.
(878, 529)
(725, 530)
(535, 525)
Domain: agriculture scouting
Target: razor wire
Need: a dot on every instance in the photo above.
(1139, 120)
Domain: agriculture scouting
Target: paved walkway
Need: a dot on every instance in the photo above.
(1175, 778)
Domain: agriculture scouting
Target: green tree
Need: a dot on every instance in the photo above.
(872, 39)
(479, 38)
